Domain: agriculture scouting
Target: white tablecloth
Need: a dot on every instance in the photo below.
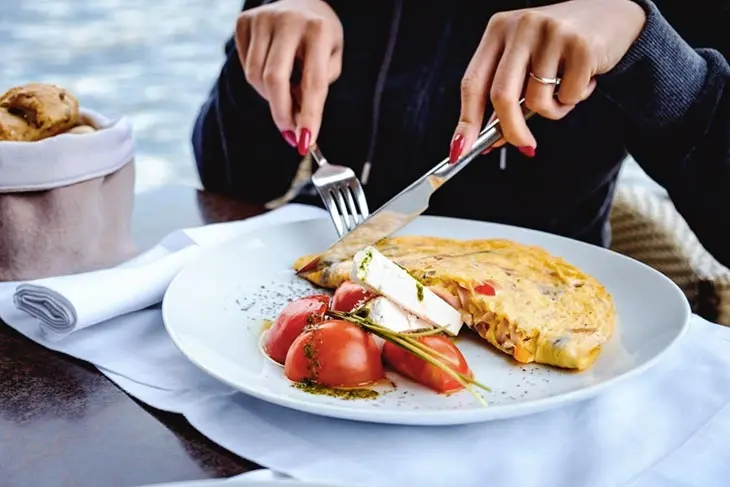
(668, 427)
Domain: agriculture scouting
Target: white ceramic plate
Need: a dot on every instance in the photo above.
(243, 482)
(216, 306)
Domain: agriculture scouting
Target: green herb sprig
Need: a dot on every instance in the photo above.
(410, 342)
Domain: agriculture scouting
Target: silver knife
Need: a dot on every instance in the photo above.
(407, 205)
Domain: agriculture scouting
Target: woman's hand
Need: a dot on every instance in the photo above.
(575, 40)
(269, 40)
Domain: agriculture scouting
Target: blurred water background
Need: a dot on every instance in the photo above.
(152, 61)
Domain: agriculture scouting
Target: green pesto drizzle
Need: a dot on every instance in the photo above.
(348, 394)
(365, 261)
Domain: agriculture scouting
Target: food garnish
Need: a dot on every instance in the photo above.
(340, 393)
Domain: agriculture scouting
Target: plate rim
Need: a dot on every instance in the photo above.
(437, 417)
(243, 482)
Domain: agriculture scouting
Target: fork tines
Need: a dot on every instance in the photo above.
(342, 203)
(341, 192)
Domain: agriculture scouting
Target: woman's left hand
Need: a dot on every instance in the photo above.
(575, 40)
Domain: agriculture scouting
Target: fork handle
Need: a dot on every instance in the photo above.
(317, 155)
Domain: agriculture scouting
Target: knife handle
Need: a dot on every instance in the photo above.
(487, 138)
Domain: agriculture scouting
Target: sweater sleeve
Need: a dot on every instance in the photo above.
(237, 147)
(674, 105)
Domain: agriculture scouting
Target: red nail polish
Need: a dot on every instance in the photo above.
(305, 140)
(457, 147)
(527, 151)
(290, 137)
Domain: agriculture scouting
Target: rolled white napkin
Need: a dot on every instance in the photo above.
(65, 304)
(68, 303)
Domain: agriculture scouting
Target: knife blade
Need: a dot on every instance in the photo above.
(407, 205)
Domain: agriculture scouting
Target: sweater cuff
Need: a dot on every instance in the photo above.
(659, 78)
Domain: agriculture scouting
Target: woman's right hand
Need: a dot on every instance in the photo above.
(270, 39)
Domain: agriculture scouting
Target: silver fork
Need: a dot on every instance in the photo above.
(341, 193)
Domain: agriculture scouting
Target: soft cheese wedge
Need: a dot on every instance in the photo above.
(386, 313)
(376, 272)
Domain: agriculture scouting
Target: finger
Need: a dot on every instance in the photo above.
(314, 88)
(540, 97)
(242, 38)
(506, 90)
(258, 49)
(574, 88)
(589, 89)
(499, 142)
(335, 66)
(474, 94)
(276, 80)
(496, 145)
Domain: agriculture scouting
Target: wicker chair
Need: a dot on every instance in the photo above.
(647, 227)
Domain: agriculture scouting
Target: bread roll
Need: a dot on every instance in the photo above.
(82, 129)
(36, 111)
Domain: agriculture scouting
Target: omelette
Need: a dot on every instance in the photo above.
(524, 301)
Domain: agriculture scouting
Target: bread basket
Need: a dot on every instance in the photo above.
(66, 186)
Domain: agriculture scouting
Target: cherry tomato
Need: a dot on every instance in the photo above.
(349, 296)
(335, 353)
(290, 323)
(417, 369)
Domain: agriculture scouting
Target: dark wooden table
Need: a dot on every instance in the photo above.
(63, 424)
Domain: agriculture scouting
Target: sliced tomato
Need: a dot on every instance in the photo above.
(419, 370)
(485, 289)
(290, 323)
(335, 353)
(350, 296)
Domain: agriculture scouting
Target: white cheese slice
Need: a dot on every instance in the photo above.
(376, 272)
(387, 314)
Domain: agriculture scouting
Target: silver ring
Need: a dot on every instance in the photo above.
(545, 81)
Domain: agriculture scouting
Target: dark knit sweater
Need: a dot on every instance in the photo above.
(396, 104)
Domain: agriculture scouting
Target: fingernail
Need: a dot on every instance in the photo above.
(527, 151)
(457, 147)
(305, 140)
(487, 151)
(290, 137)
